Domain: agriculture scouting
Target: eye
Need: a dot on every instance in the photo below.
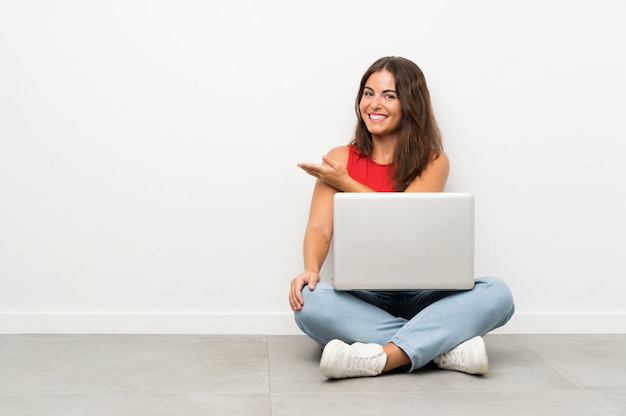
(390, 96)
(368, 93)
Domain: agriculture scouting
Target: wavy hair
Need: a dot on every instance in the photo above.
(419, 138)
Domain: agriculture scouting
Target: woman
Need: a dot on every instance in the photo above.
(396, 148)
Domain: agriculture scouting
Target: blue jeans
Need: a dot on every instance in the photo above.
(422, 323)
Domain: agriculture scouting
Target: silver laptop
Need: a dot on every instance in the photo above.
(403, 241)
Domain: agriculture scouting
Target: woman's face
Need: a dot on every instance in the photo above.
(380, 107)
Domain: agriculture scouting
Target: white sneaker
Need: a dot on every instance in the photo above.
(469, 357)
(340, 360)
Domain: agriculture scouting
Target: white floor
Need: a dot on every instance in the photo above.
(190, 375)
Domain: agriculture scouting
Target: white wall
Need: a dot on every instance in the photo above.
(148, 151)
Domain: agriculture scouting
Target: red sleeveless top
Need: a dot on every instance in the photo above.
(369, 173)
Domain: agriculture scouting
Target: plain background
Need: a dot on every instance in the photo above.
(148, 151)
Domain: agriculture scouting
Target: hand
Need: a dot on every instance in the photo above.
(297, 284)
(330, 172)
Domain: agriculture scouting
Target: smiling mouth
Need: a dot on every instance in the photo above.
(377, 117)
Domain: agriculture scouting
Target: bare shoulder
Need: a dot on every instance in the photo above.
(440, 162)
(434, 177)
(339, 154)
(339, 151)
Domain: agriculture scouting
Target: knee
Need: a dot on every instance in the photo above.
(312, 310)
(498, 295)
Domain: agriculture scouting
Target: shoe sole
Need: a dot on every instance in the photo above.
(479, 354)
(326, 357)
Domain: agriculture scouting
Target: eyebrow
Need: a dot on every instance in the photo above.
(384, 91)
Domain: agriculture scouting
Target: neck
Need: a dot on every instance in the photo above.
(383, 149)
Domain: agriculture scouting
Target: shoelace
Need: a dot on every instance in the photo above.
(363, 361)
(453, 359)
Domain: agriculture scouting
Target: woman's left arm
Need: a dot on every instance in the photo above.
(433, 178)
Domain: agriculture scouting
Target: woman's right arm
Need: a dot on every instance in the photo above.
(317, 236)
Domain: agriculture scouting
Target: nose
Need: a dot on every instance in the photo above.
(375, 103)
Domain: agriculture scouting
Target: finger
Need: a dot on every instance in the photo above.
(295, 295)
(310, 168)
(309, 171)
(292, 301)
(297, 301)
(308, 165)
(312, 173)
(295, 305)
(330, 162)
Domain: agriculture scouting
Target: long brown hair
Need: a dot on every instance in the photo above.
(419, 138)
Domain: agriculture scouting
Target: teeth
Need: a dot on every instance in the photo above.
(377, 117)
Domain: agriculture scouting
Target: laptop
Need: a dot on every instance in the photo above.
(403, 241)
